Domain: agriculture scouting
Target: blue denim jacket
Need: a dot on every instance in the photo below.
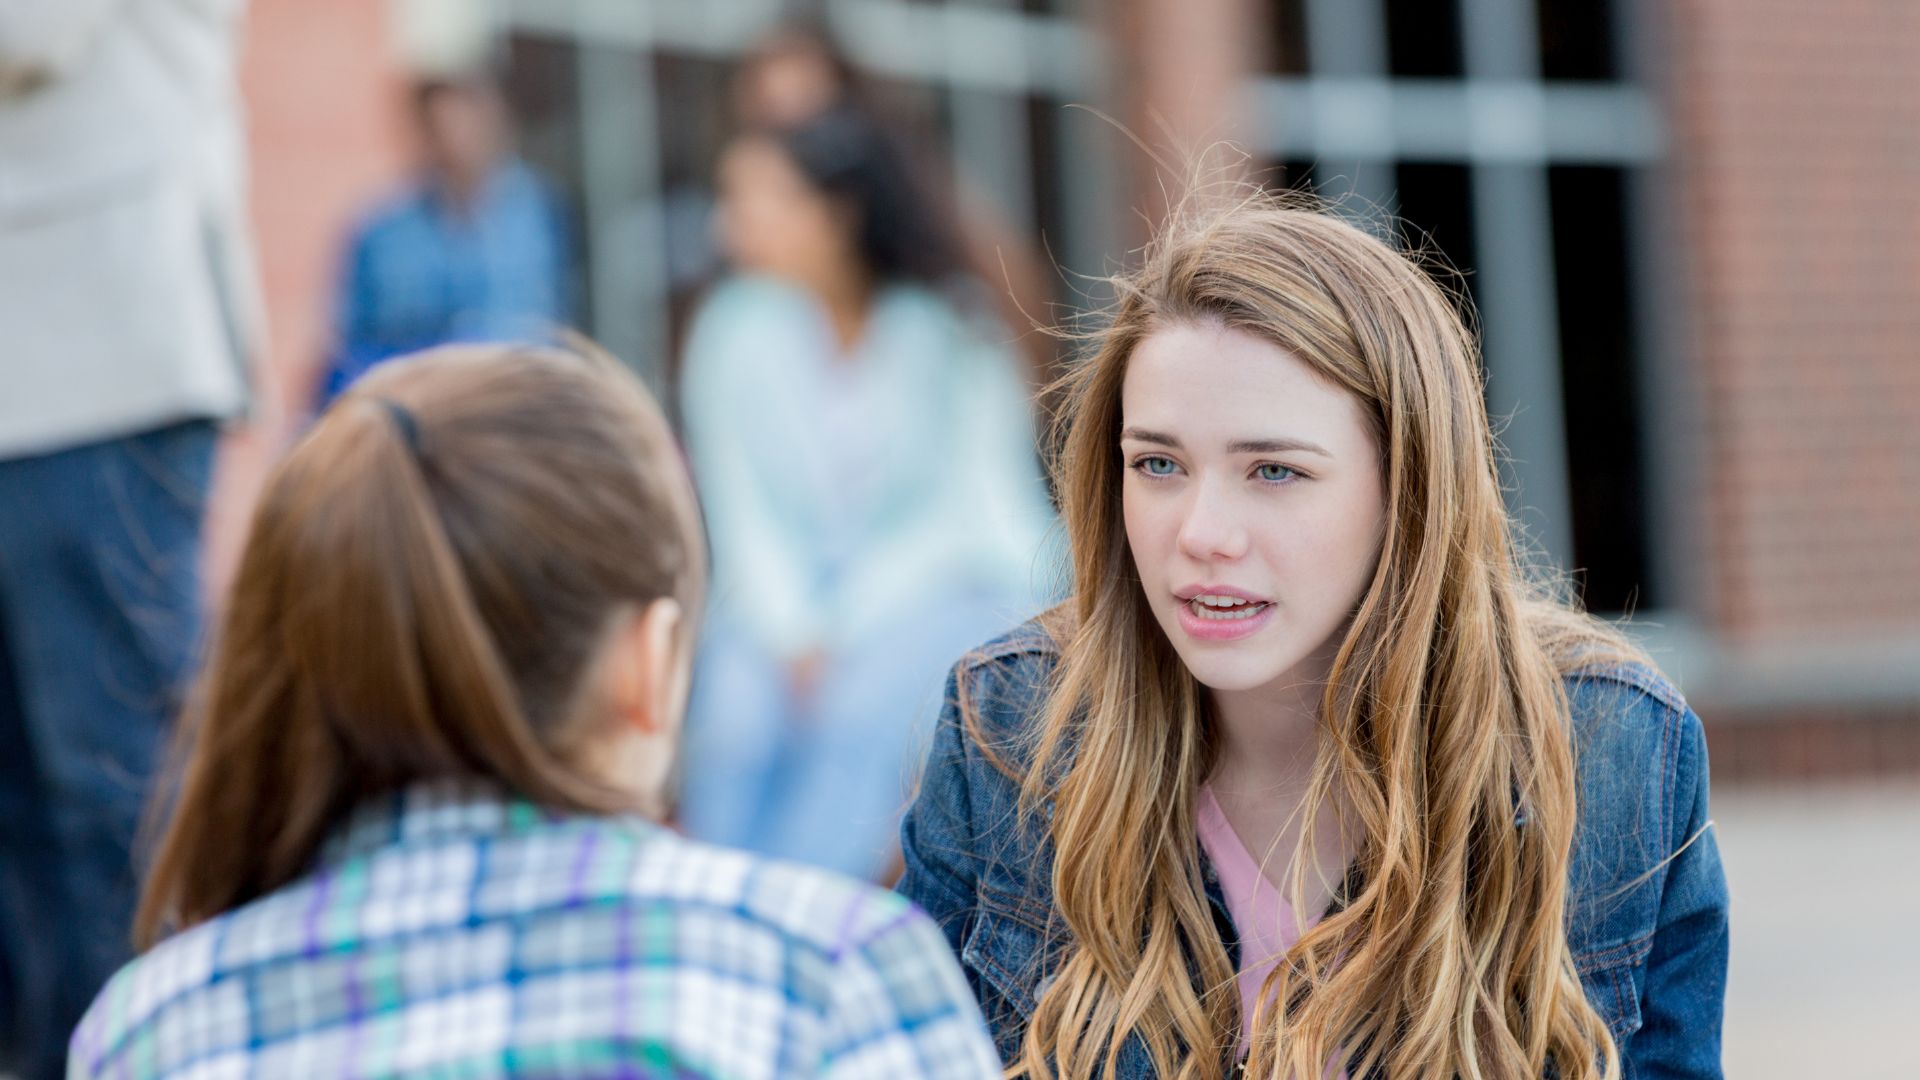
(1648, 926)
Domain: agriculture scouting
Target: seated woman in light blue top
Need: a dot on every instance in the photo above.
(864, 447)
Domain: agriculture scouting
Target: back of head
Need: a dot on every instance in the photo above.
(429, 578)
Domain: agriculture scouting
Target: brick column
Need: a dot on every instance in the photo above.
(326, 128)
(1797, 136)
(1183, 68)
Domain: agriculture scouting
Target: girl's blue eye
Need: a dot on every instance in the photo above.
(1155, 466)
(1274, 474)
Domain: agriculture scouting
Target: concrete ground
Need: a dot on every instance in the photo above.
(1824, 979)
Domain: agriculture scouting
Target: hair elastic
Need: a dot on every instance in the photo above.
(403, 419)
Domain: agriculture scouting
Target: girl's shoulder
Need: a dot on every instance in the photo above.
(1640, 757)
(1625, 680)
(1002, 685)
(742, 316)
(1031, 639)
(985, 741)
(1626, 715)
(949, 320)
(747, 294)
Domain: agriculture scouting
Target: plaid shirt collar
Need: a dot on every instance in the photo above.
(448, 809)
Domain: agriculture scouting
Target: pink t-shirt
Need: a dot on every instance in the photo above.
(1260, 913)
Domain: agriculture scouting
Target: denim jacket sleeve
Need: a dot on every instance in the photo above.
(1686, 981)
(940, 874)
(1648, 915)
(973, 861)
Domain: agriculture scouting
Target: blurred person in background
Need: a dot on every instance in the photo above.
(416, 834)
(792, 75)
(477, 248)
(864, 446)
(797, 72)
(130, 315)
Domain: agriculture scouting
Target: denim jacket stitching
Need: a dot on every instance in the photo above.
(1624, 1000)
(1626, 953)
(1011, 984)
(1017, 909)
(1024, 642)
(1670, 735)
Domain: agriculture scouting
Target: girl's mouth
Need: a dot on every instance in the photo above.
(1221, 613)
(1213, 607)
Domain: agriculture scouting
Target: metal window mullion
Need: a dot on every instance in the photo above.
(1350, 107)
(1669, 390)
(1501, 39)
(692, 27)
(1461, 120)
(1668, 461)
(1513, 240)
(622, 209)
(976, 46)
(960, 45)
(990, 144)
(1519, 324)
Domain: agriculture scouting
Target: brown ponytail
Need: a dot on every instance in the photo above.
(428, 577)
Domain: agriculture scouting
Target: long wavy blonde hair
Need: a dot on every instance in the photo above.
(1444, 721)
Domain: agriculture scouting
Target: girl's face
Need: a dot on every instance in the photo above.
(772, 221)
(1253, 502)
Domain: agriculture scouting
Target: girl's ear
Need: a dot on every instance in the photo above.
(647, 683)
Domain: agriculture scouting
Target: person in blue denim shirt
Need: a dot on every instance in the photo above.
(1309, 777)
(477, 249)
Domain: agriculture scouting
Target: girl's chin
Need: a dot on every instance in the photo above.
(1233, 677)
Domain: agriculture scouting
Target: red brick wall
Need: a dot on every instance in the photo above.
(1814, 744)
(1181, 89)
(1797, 139)
(325, 105)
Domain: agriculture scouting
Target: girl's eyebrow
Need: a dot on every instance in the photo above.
(1276, 446)
(1238, 446)
(1145, 436)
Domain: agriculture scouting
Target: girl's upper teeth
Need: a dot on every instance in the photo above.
(1221, 601)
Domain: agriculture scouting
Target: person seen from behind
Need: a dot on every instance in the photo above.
(415, 831)
(864, 445)
(477, 248)
(1309, 777)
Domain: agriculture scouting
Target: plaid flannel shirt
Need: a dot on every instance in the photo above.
(449, 932)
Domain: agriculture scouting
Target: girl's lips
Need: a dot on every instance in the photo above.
(1189, 592)
(1226, 625)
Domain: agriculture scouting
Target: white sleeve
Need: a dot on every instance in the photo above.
(752, 551)
(41, 40)
(988, 517)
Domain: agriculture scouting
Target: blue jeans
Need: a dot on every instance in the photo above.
(99, 619)
(822, 781)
